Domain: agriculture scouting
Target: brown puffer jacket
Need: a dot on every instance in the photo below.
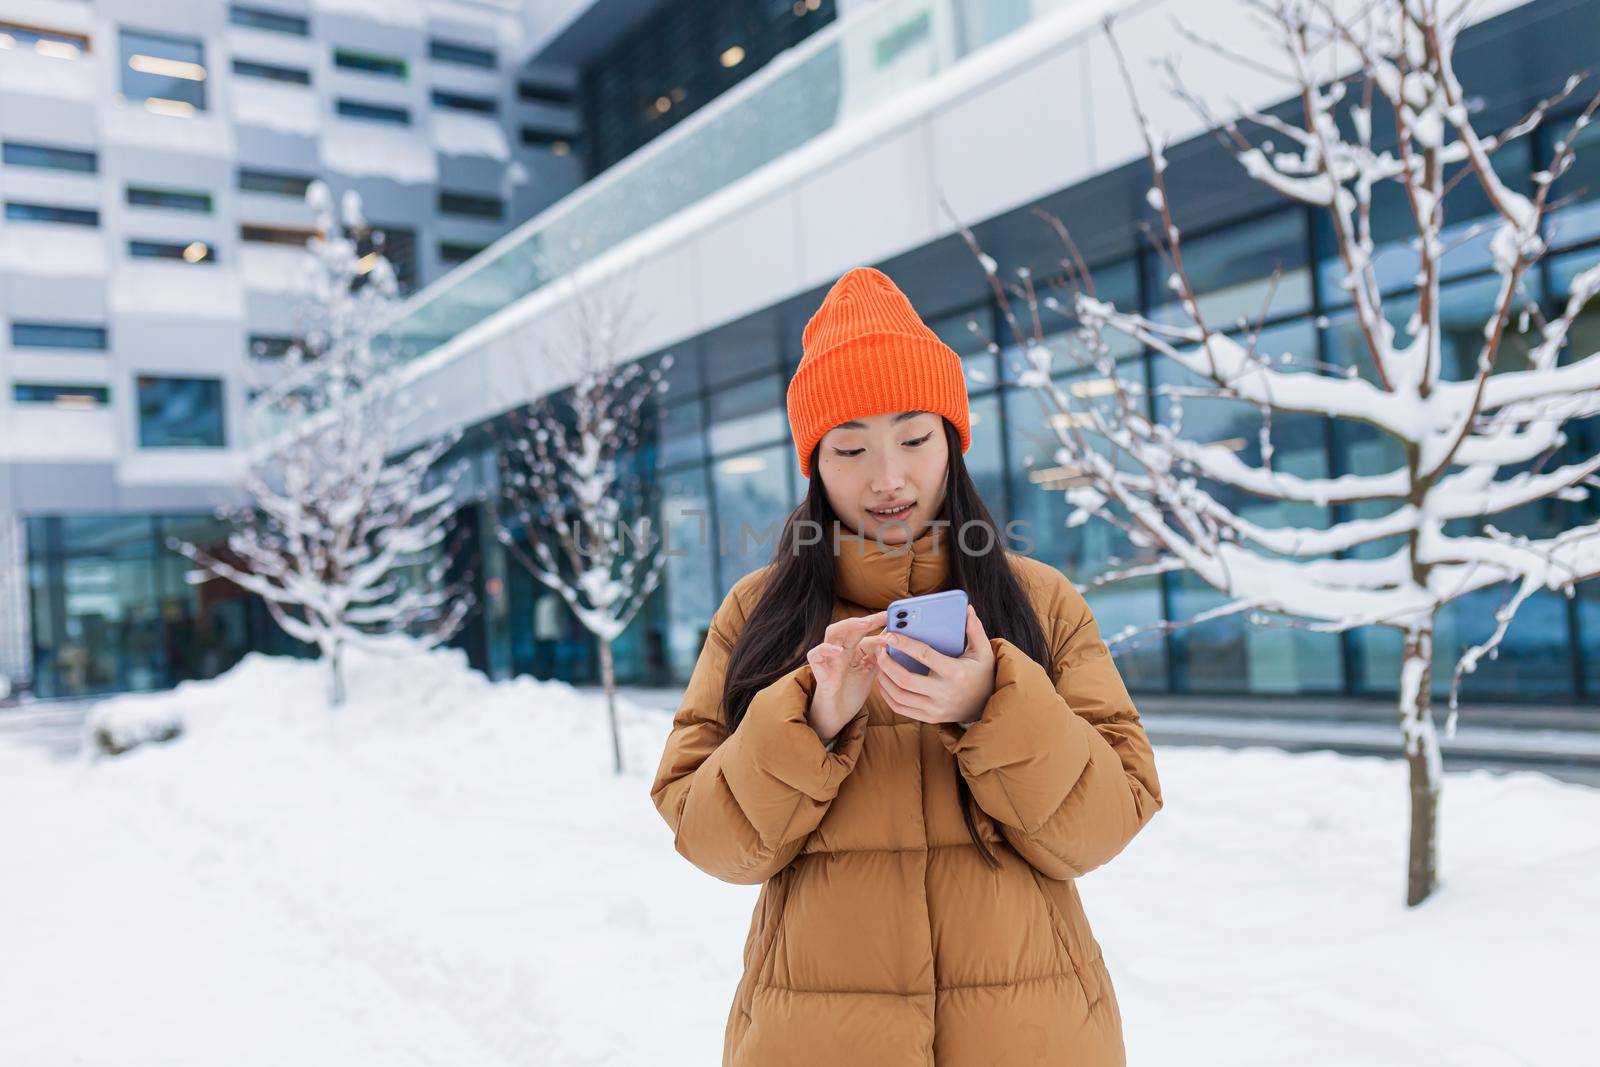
(881, 938)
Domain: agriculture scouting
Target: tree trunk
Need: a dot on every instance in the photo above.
(336, 675)
(1425, 762)
(608, 677)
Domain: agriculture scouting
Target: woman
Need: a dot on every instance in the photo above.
(917, 835)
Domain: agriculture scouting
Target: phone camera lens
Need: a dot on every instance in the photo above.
(899, 614)
(901, 623)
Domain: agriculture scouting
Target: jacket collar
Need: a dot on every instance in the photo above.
(873, 575)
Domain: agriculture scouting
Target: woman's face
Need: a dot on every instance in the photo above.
(885, 474)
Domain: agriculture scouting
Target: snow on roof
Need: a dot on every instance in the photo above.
(458, 134)
(284, 108)
(204, 133)
(29, 72)
(54, 251)
(192, 290)
(394, 12)
(272, 268)
(362, 148)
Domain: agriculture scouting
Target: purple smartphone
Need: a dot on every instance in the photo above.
(938, 620)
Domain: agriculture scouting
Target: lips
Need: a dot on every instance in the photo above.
(898, 509)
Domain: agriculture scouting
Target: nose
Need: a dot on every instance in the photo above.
(888, 474)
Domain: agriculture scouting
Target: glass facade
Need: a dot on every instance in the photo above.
(726, 474)
(111, 610)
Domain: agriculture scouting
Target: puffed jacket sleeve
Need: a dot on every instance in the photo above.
(1064, 769)
(742, 804)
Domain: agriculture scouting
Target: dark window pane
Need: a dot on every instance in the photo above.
(354, 109)
(72, 216)
(1232, 273)
(689, 579)
(1468, 229)
(1579, 219)
(169, 198)
(747, 414)
(275, 235)
(192, 252)
(180, 412)
(752, 501)
(370, 63)
(557, 142)
(261, 18)
(454, 252)
(67, 396)
(543, 94)
(248, 68)
(399, 246)
(56, 335)
(266, 181)
(18, 154)
(471, 205)
(270, 346)
(465, 54)
(482, 105)
(158, 67)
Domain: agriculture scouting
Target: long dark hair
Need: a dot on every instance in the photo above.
(796, 605)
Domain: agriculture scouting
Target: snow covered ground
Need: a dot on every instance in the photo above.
(447, 873)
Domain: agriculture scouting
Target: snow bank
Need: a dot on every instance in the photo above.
(446, 871)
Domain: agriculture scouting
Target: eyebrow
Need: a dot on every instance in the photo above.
(856, 424)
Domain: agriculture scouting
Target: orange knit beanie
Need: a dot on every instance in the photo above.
(866, 352)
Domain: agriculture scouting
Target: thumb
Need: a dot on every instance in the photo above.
(977, 638)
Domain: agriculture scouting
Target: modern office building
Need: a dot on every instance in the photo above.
(155, 159)
(732, 201)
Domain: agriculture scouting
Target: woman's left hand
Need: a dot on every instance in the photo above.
(955, 689)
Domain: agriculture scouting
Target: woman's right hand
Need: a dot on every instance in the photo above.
(844, 666)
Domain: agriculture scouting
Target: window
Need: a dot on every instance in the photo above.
(175, 200)
(471, 205)
(260, 18)
(270, 346)
(1231, 270)
(273, 182)
(465, 54)
(369, 63)
(167, 71)
(275, 235)
(399, 246)
(530, 93)
(249, 68)
(18, 154)
(190, 252)
(57, 335)
(462, 102)
(180, 412)
(65, 396)
(56, 43)
(559, 143)
(354, 109)
(454, 252)
(72, 216)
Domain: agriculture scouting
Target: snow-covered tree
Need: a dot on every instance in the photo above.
(343, 538)
(1470, 442)
(570, 484)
